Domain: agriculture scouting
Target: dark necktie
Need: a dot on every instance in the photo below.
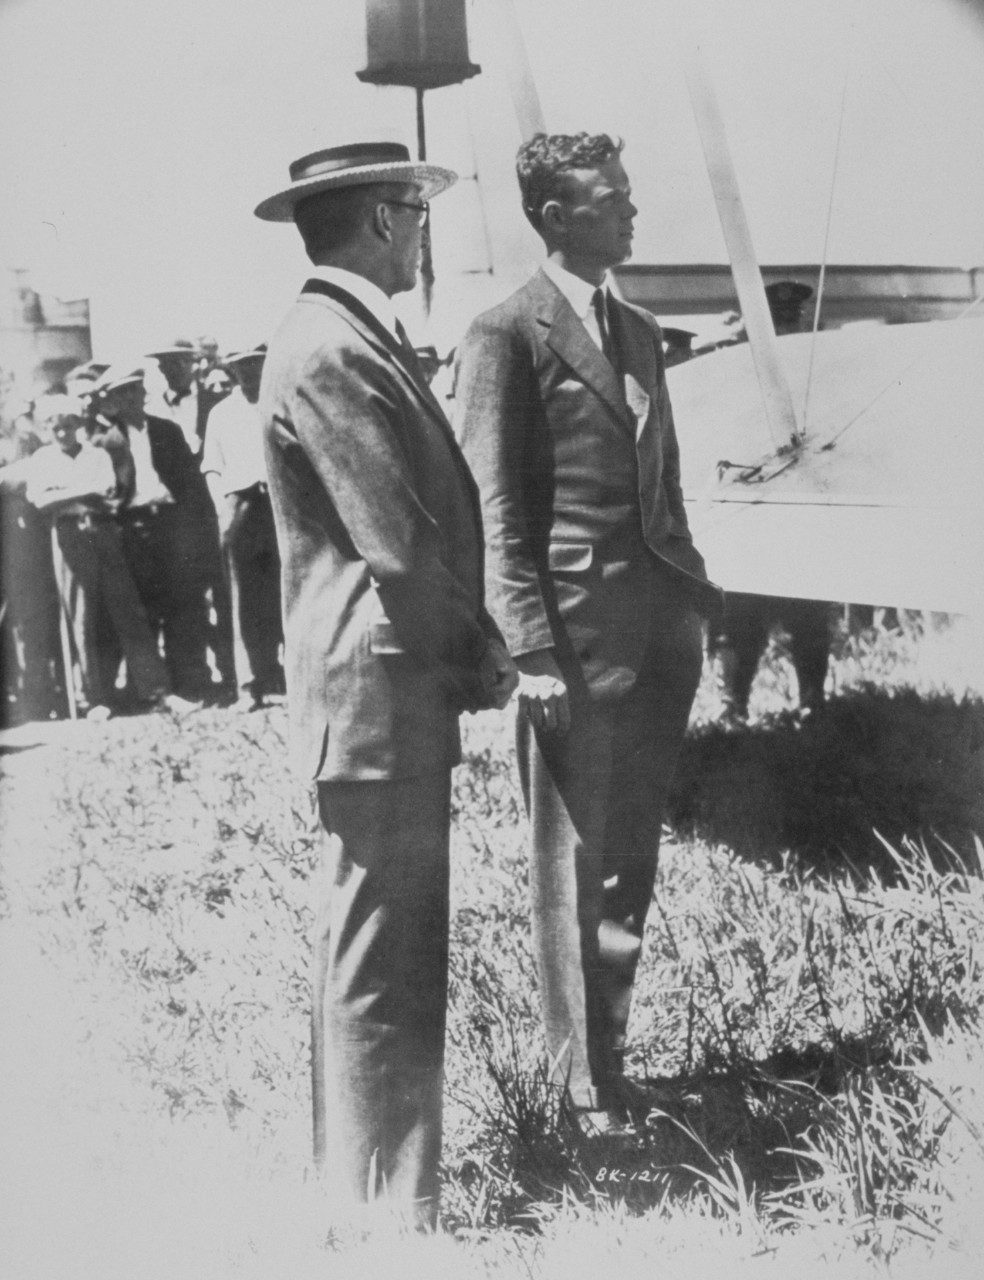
(600, 304)
(411, 362)
(405, 343)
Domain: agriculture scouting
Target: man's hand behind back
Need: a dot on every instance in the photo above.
(498, 674)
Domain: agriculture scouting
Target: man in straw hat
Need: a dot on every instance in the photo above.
(387, 641)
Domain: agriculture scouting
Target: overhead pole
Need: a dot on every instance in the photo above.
(426, 251)
(420, 44)
(780, 414)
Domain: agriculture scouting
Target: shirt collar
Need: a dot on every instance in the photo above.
(579, 293)
(370, 295)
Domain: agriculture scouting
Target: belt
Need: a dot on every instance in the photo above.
(84, 519)
(148, 511)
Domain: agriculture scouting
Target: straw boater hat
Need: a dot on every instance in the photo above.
(88, 371)
(179, 347)
(243, 357)
(355, 165)
(115, 377)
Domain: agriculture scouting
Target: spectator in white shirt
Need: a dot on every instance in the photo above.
(235, 469)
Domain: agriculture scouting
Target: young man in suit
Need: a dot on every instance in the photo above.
(387, 640)
(592, 575)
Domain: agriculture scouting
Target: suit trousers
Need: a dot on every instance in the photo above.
(595, 797)
(379, 990)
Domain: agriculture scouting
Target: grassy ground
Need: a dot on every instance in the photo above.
(808, 1006)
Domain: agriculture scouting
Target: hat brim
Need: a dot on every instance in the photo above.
(162, 352)
(106, 385)
(430, 179)
(242, 357)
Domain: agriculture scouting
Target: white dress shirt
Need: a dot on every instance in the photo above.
(148, 486)
(580, 294)
(370, 295)
(234, 444)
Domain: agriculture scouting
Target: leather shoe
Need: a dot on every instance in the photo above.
(638, 1099)
(603, 1122)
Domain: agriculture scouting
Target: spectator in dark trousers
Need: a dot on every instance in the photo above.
(184, 403)
(29, 651)
(235, 469)
(158, 516)
(75, 482)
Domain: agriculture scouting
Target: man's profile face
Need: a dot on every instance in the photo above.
(407, 239)
(599, 214)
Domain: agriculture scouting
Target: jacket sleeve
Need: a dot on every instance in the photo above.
(679, 525)
(356, 432)
(495, 419)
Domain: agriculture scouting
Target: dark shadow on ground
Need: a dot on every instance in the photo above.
(747, 1126)
(898, 764)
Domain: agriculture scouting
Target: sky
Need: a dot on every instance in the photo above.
(137, 138)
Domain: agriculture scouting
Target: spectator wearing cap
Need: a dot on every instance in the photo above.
(184, 403)
(214, 383)
(677, 345)
(80, 380)
(75, 482)
(787, 300)
(178, 363)
(235, 469)
(159, 480)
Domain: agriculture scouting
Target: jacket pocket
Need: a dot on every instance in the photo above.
(383, 639)
(570, 557)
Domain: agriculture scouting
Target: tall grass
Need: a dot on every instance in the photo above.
(808, 1013)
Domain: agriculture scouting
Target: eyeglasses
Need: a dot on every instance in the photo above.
(422, 209)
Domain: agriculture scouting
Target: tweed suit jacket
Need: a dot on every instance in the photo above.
(380, 535)
(579, 471)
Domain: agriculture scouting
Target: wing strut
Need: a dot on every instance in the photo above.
(777, 401)
(522, 87)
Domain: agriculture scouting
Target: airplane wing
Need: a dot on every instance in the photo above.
(881, 503)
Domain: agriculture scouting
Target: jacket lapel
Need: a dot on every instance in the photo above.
(568, 339)
(408, 367)
(376, 333)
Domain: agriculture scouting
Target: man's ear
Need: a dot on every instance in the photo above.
(382, 221)
(553, 219)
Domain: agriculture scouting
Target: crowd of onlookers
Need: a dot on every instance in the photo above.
(140, 558)
(140, 565)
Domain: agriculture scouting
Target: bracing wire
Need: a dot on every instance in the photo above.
(826, 243)
(903, 373)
